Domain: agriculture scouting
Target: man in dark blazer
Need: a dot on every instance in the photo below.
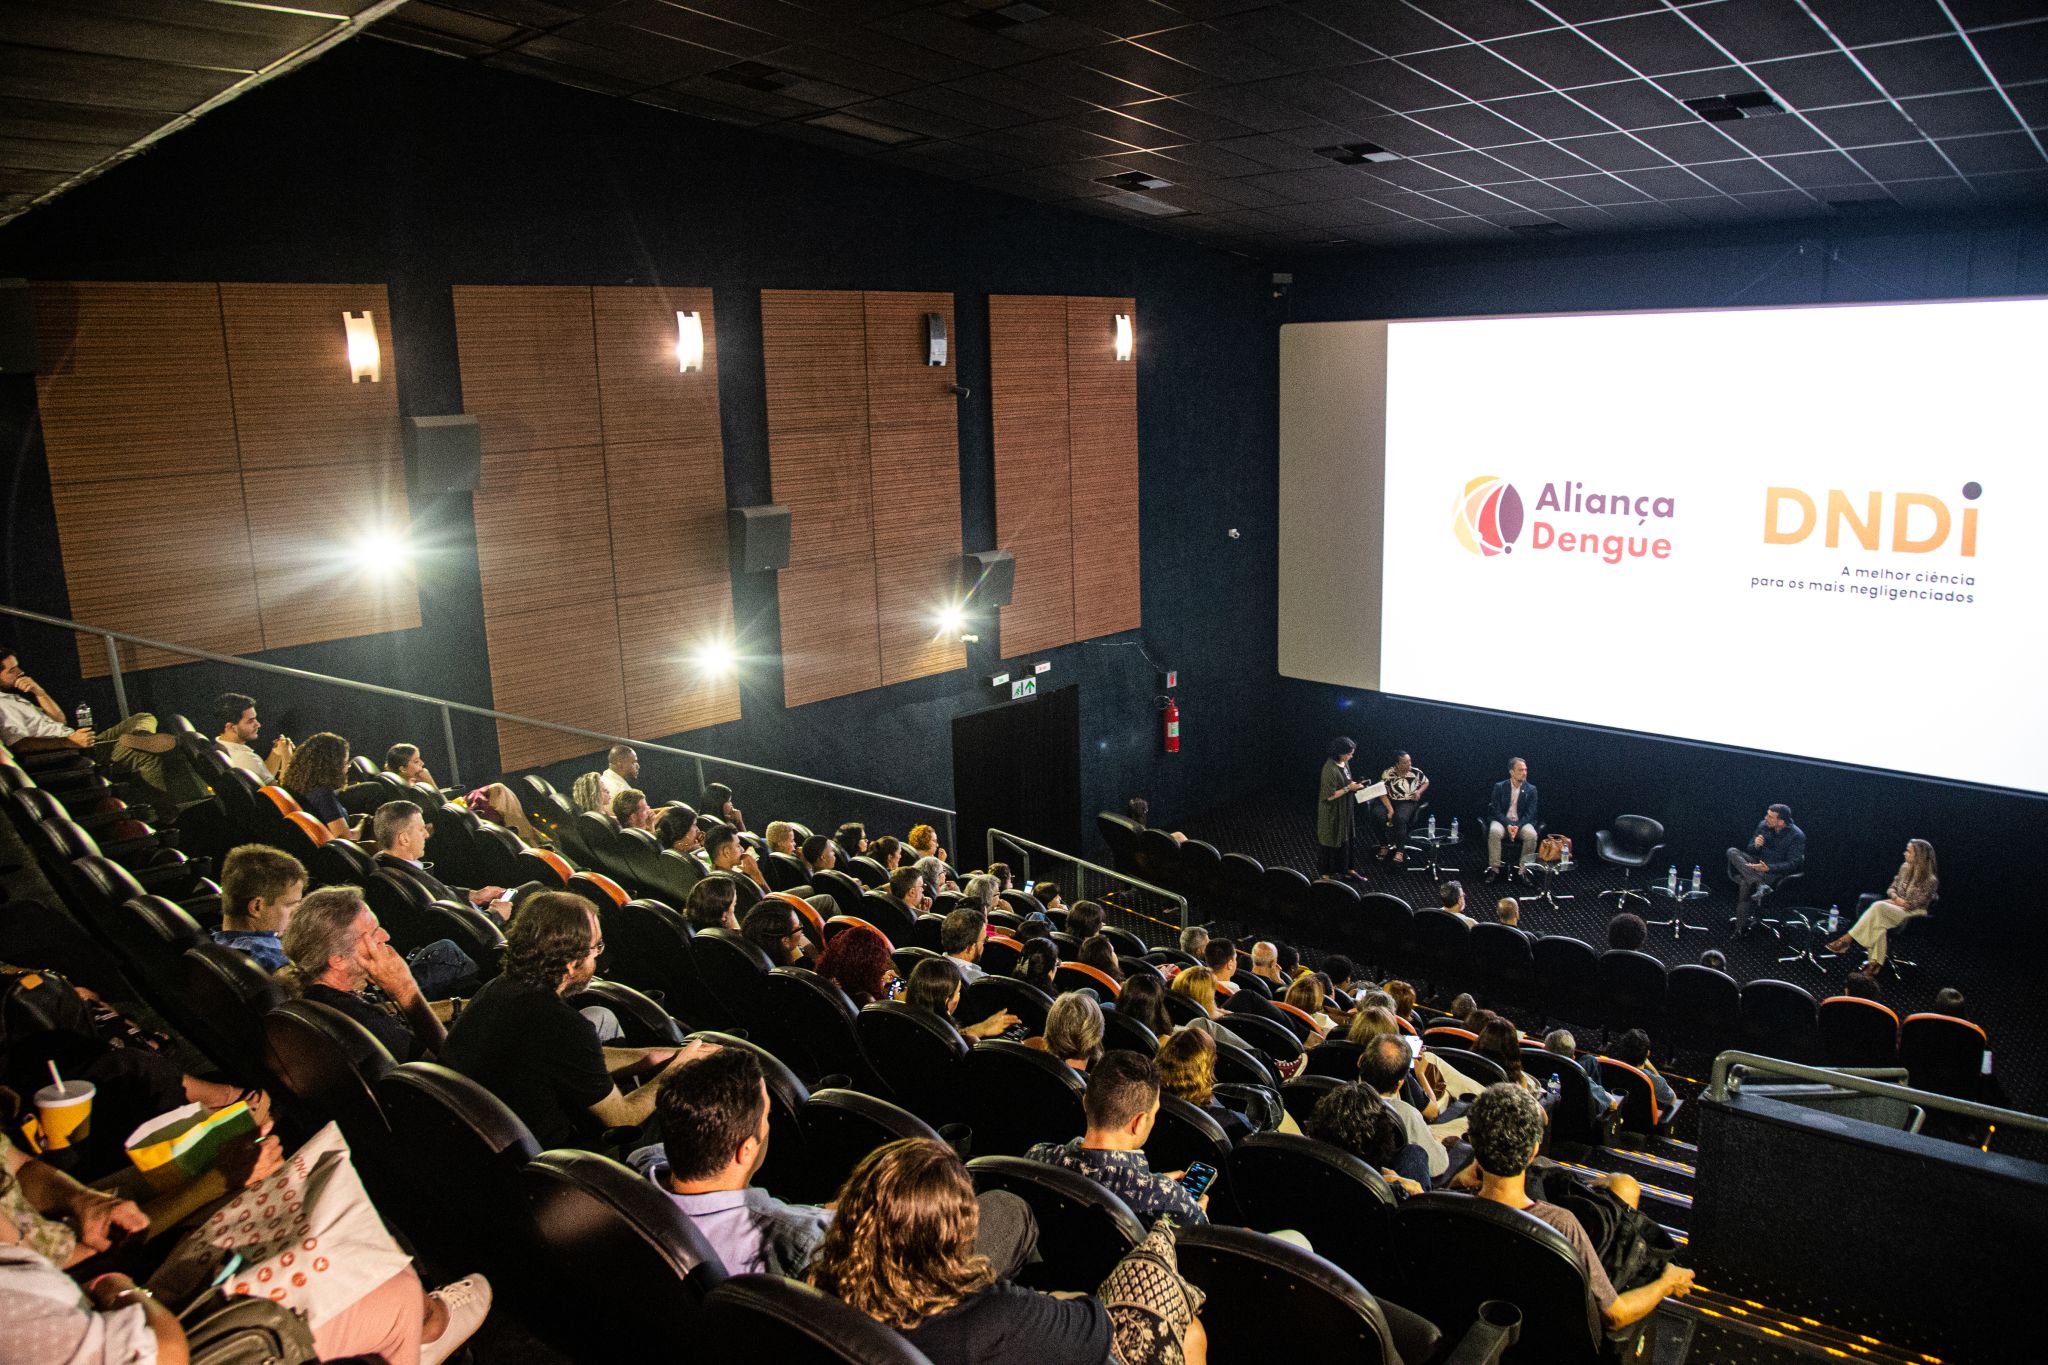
(1511, 816)
(400, 829)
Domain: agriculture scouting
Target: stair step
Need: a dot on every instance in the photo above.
(1808, 1336)
(1650, 1191)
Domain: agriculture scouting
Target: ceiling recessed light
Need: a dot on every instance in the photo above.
(1134, 180)
(865, 129)
(1537, 229)
(754, 76)
(1357, 153)
(1756, 104)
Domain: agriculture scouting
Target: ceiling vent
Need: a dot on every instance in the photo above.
(1357, 153)
(865, 129)
(1544, 229)
(1006, 16)
(754, 76)
(1134, 180)
(1729, 108)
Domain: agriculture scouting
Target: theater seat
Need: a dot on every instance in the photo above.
(1443, 944)
(1388, 925)
(1858, 1032)
(840, 1127)
(1481, 1070)
(736, 971)
(1243, 1066)
(897, 924)
(1120, 1030)
(1276, 1040)
(918, 1057)
(1944, 1054)
(1573, 1119)
(1702, 1006)
(1083, 1229)
(1079, 976)
(644, 1021)
(770, 1317)
(1567, 977)
(648, 946)
(1303, 1093)
(1240, 876)
(1780, 1019)
(808, 1021)
(1640, 1112)
(1019, 1096)
(328, 1066)
(150, 935)
(464, 1151)
(1335, 1057)
(1185, 1133)
(992, 993)
(1271, 1300)
(1633, 984)
(225, 997)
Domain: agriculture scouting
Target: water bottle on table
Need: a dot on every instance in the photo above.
(1834, 919)
(1454, 829)
(1671, 881)
(1432, 827)
(1695, 879)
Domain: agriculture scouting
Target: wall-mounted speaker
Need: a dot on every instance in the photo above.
(988, 577)
(760, 537)
(444, 454)
(17, 328)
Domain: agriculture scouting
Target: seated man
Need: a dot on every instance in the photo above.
(1266, 967)
(1505, 1126)
(631, 810)
(239, 729)
(774, 927)
(1193, 941)
(1451, 896)
(31, 722)
(1354, 1119)
(1137, 808)
(622, 770)
(260, 887)
(714, 1139)
(1396, 808)
(521, 1040)
(907, 889)
(711, 905)
(819, 854)
(722, 847)
(1084, 920)
(1121, 1106)
(1561, 1042)
(1511, 815)
(1382, 1068)
(1774, 852)
(1633, 1047)
(336, 953)
(961, 938)
(400, 832)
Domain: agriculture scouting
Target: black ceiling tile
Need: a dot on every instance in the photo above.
(1757, 30)
(2032, 102)
(1713, 209)
(2013, 186)
(1863, 125)
(1483, 19)
(699, 107)
(1332, 182)
(1687, 143)
(1324, 100)
(1903, 161)
(1926, 66)
(1815, 82)
(458, 23)
(1068, 76)
(1976, 111)
(1471, 125)
(1668, 183)
(1334, 213)
(1782, 203)
(1253, 110)
(1598, 189)
(73, 122)
(1130, 132)
(1774, 136)
(1119, 18)
(1295, 38)
(397, 31)
(1401, 133)
(1712, 80)
(1192, 199)
(1591, 11)
(524, 13)
(1393, 29)
(1656, 44)
(1583, 218)
(1536, 194)
(589, 78)
(1543, 160)
(930, 28)
(867, 45)
(742, 40)
(1272, 153)
(1191, 123)
(1818, 169)
(1395, 84)
(1216, 160)
(1999, 152)
(1411, 175)
(1940, 192)
(1973, 13)
(1474, 73)
(2015, 54)
(1647, 215)
(1472, 200)
(1548, 115)
(1633, 104)
(1025, 96)
(1614, 152)
(827, 95)
(1242, 194)
(1314, 133)
(1748, 176)
(1561, 58)
(1857, 22)
(1207, 48)
(657, 61)
(1057, 34)
(1141, 66)
(837, 68)
(959, 104)
(1474, 168)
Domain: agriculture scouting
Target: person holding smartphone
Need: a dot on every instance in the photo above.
(1121, 1106)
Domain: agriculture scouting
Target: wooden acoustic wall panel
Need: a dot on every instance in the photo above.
(914, 472)
(134, 398)
(814, 354)
(1102, 436)
(1028, 383)
(529, 365)
(323, 472)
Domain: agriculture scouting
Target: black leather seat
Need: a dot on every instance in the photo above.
(770, 1317)
(464, 1150)
(736, 972)
(1120, 1030)
(1633, 985)
(328, 1066)
(1333, 911)
(1283, 898)
(1640, 1112)
(1336, 1057)
(1185, 1133)
(924, 933)
(643, 1020)
(992, 993)
(1633, 843)
(1121, 835)
(1158, 859)
(1241, 875)
(226, 996)
(1275, 1039)
(1337, 1201)
(1302, 1094)
(1443, 945)
(1572, 1119)
(1388, 923)
(918, 1056)
(897, 924)
(808, 1021)
(1201, 869)
(1271, 1300)
(648, 946)
(1504, 959)
(1083, 1229)
(150, 935)
(1019, 1096)
(866, 871)
(784, 871)
(1944, 1054)
(846, 893)
(343, 862)
(414, 919)
(1567, 977)
(615, 1251)
(1481, 1070)
(840, 1127)
(1858, 1032)
(1780, 1019)
(1245, 1065)
(1702, 1006)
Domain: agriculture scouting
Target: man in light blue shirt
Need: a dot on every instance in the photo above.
(259, 888)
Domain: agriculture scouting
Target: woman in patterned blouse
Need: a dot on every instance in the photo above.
(1912, 890)
(1405, 786)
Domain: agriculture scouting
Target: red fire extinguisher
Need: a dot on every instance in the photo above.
(1172, 714)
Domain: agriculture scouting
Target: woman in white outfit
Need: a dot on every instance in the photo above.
(1911, 891)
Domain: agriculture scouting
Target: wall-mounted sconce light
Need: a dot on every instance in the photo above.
(935, 338)
(1123, 336)
(689, 342)
(365, 357)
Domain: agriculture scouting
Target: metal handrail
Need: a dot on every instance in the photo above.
(1717, 1088)
(447, 707)
(1030, 846)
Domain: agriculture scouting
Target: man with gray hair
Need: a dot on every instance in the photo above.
(1382, 1067)
(1193, 940)
(961, 938)
(1561, 1042)
(1505, 1128)
(936, 878)
(336, 954)
(441, 967)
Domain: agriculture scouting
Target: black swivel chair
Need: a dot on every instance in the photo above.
(1634, 842)
(1772, 892)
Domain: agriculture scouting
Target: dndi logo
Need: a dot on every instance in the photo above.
(1488, 516)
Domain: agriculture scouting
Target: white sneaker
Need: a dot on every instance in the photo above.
(468, 1301)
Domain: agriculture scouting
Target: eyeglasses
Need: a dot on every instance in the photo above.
(596, 949)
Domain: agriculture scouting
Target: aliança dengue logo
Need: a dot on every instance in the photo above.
(1489, 516)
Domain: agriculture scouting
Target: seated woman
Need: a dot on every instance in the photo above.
(1187, 1068)
(1144, 999)
(1036, 964)
(1047, 894)
(901, 1249)
(496, 802)
(717, 801)
(1073, 1030)
(936, 985)
(979, 892)
(1912, 890)
(587, 793)
(1098, 952)
(1306, 995)
(1500, 1042)
(1199, 985)
(317, 771)
(1353, 1118)
(857, 960)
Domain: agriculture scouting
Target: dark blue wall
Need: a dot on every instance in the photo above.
(1857, 821)
(382, 164)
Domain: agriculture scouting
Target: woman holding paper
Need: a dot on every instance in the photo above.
(1334, 816)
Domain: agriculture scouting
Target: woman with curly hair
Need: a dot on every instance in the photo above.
(317, 771)
(902, 1250)
(587, 793)
(1199, 985)
(1187, 1068)
(857, 960)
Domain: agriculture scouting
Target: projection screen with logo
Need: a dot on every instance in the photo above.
(1809, 531)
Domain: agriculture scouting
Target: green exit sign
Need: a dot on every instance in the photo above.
(1023, 687)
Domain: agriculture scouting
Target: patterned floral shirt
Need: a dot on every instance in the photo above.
(1403, 787)
(1129, 1177)
(44, 1236)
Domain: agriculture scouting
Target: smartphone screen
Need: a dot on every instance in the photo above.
(1198, 1177)
(896, 989)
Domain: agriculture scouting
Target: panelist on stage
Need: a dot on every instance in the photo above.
(1511, 815)
(1775, 851)
(1405, 786)
(1334, 818)
(1911, 891)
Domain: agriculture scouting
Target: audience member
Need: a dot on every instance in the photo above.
(710, 905)
(886, 850)
(780, 836)
(908, 889)
(818, 854)
(979, 892)
(1372, 1020)
(621, 771)
(239, 729)
(335, 951)
(1451, 896)
(496, 802)
(1005, 880)
(1266, 966)
(1187, 1068)
(1047, 894)
(1193, 940)
(1354, 1119)
(1715, 959)
(852, 838)
(1073, 1030)
(260, 887)
(1949, 1000)
(962, 936)
(937, 876)
(1463, 1007)
(1287, 958)
(400, 832)
(521, 1039)
(1342, 973)
(405, 762)
(1500, 1042)
(31, 721)
(776, 929)
(1098, 952)
(631, 810)
(1860, 986)
(1508, 911)
(924, 842)
(1036, 964)
(1633, 1047)
(857, 959)
(936, 985)
(1143, 999)
(1306, 995)
(717, 800)
(1627, 930)
(1561, 1042)
(1138, 808)
(1199, 985)
(1220, 957)
(1084, 921)
(1382, 1067)
(317, 771)
(1122, 1104)
(1403, 995)
(724, 851)
(586, 793)
(1505, 1128)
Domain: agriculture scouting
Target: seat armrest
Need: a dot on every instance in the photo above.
(1416, 1338)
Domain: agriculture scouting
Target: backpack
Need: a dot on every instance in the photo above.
(231, 1330)
(1633, 1248)
(33, 1001)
